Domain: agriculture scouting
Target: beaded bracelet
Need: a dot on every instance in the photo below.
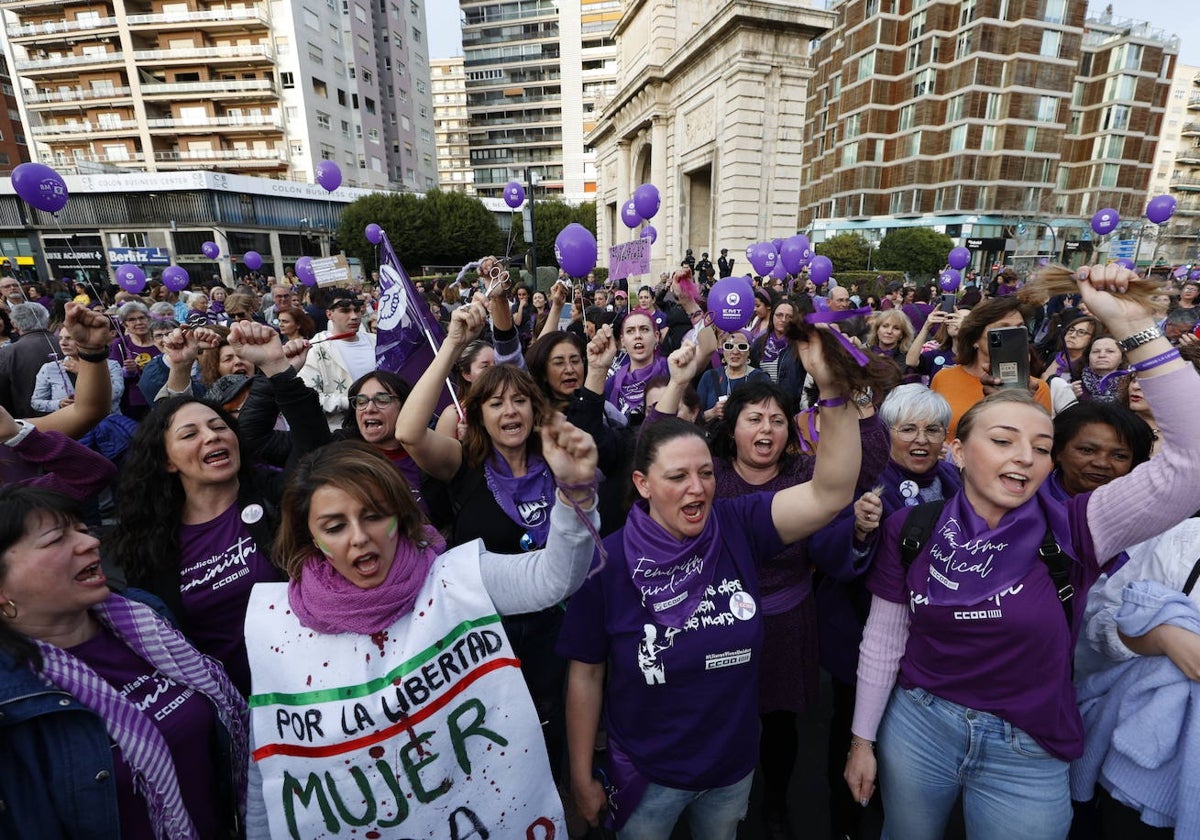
(855, 741)
(1155, 361)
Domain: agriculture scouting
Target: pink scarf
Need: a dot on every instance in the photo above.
(325, 601)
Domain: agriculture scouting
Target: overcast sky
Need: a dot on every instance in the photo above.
(1181, 17)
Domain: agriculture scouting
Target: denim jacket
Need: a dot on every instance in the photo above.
(56, 762)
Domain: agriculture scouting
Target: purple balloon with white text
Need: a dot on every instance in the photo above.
(175, 278)
(629, 214)
(211, 250)
(1105, 221)
(514, 194)
(949, 280)
(329, 175)
(131, 278)
(40, 186)
(1160, 208)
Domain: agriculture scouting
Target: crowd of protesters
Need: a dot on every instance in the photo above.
(251, 585)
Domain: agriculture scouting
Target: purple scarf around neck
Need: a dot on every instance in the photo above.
(526, 499)
(773, 346)
(325, 601)
(629, 386)
(670, 575)
(970, 562)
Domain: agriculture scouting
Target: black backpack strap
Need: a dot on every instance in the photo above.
(1192, 578)
(1059, 565)
(918, 525)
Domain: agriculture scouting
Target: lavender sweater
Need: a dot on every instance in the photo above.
(1155, 496)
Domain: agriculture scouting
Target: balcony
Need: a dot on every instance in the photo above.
(40, 30)
(83, 164)
(236, 17)
(1190, 128)
(1188, 208)
(227, 158)
(1186, 184)
(196, 125)
(18, 5)
(76, 95)
(229, 87)
(246, 52)
(59, 63)
(89, 128)
(1188, 157)
(1194, 101)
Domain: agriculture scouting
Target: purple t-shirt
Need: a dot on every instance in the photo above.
(1009, 655)
(683, 705)
(185, 719)
(626, 389)
(220, 565)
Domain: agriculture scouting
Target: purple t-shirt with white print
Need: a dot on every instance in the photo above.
(1009, 655)
(683, 705)
(186, 720)
(220, 565)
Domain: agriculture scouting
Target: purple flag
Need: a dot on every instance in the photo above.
(407, 333)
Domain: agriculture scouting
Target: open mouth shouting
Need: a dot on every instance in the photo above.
(217, 458)
(1014, 483)
(91, 575)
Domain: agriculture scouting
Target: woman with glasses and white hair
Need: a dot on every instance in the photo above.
(132, 350)
(717, 384)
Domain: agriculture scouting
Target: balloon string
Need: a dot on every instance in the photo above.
(54, 351)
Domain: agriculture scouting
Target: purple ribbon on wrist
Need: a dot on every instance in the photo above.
(827, 317)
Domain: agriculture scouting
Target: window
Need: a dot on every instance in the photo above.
(360, 13)
(872, 8)
(994, 104)
(1110, 147)
(923, 84)
(958, 138)
(345, 128)
(913, 57)
(335, 33)
(866, 66)
(1056, 11)
(1051, 43)
(916, 26)
(287, 80)
(853, 126)
(987, 142)
(319, 88)
(914, 143)
(1047, 108)
(1108, 174)
(342, 98)
(283, 45)
(1115, 118)
(373, 135)
(906, 117)
(850, 154)
(367, 76)
(369, 104)
(416, 35)
(1120, 87)
(1031, 134)
(420, 86)
(954, 108)
(968, 12)
(962, 45)
(311, 20)
(315, 54)
(322, 120)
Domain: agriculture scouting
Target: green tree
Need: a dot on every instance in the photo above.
(847, 252)
(917, 250)
(550, 216)
(441, 228)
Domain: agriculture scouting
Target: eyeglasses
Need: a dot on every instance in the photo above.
(240, 316)
(137, 319)
(738, 345)
(1084, 331)
(910, 432)
(379, 401)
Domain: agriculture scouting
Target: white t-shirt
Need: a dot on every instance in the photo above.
(358, 356)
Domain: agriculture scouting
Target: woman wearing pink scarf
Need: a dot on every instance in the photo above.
(386, 694)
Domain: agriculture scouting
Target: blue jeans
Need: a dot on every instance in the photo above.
(713, 814)
(930, 749)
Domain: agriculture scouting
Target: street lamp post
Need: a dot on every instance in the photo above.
(532, 179)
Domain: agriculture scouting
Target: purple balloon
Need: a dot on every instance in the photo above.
(374, 233)
(649, 232)
(731, 302)
(949, 280)
(792, 253)
(1125, 262)
(778, 271)
(647, 201)
(514, 194)
(1160, 208)
(131, 278)
(306, 272)
(1105, 221)
(40, 186)
(1195, 275)
(329, 175)
(629, 214)
(763, 257)
(253, 260)
(776, 243)
(820, 269)
(959, 258)
(175, 278)
(575, 250)
(211, 250)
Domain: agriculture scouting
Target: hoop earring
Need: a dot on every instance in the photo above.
(11, 616)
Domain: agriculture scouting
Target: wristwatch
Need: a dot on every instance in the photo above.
(1139, 338)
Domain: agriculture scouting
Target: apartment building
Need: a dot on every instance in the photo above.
(13, 146)
(1177, 169)
(1004, 123)
(535, 72)
(450, 125)
(263, 89)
